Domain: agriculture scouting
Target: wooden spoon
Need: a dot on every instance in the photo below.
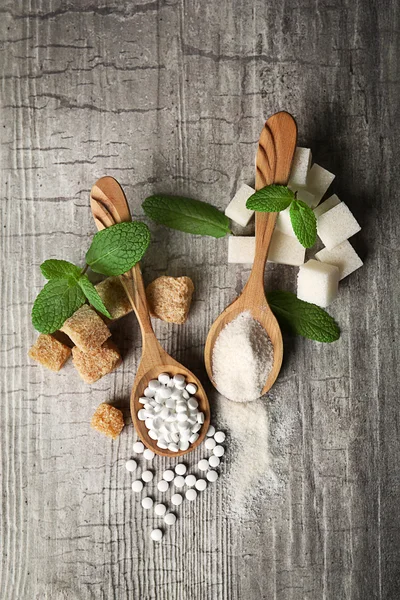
(109, 206)
(273, 163)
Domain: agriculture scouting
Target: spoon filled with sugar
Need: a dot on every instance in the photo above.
(274, 158)
(109, 206)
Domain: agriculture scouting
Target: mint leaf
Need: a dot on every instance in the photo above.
(92, 295)
(57, 301)
(271, 198)
(303, 222)
(59, 269)
(303, 318)
(186, 214)
(117, 249)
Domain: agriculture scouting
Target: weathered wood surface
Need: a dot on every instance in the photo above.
(171, 96)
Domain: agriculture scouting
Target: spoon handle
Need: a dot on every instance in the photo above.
(135, 290)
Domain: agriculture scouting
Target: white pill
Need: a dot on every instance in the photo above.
(179, 378)
(160, 509)
(143, 400)
(191, 421)
(162, 485)
(191, 388)
(210, 443)
(179, 481)
(147, 476)
(191, 494)
(170, 518)
(214, 461)
(149, 423)
(131, 465)
(148, 454)
(181, 417)
(172, 447)
(175, 438)
(156, 535)
(181, 407)
(185, 395)
(147, 502)
(183, 445)
(154, 384)
(196, 427)
(180, 469)
(212, 476)
(164, 378)
(171, 418)
(193, 438)
(161, 443)
(219, 451)
(148, 406)
(176, 499)
(149, 393)
(167, 437)
(170, 403)
(164, 393)
(211, 431)
(138, 447)
(219, 437)
(168, 475)
(153, 434)
(190, 480)
(201, 485)
(192, 403)
(158, 408)
(176, 394)
(203, 464)
(200, 418)
(137, 485)
(142, 414)
(180, 386)
(164, 413)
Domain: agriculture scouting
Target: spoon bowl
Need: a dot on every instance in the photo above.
(109, 206)
(274, 158)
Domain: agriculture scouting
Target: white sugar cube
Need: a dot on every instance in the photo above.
(336, 225)
(318, 181)
(300, 167)
(344, 257)
(317, 283)
(241, 249)
(284, 224)
(236, 209)
(285, 250)
(304, 195)
(326, 205)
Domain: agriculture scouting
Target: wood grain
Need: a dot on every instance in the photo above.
(171, 96)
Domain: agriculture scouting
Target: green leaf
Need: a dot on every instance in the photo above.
(303, 222)
(303, 318)
(92, 295)
(117, 249)
(57, 301)
(271, 198)
(59, 269)
(186, 214)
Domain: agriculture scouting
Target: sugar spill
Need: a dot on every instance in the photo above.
(242, 359)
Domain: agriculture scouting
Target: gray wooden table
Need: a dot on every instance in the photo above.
(171, 96)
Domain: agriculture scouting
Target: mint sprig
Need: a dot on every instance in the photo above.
(57, 301)
(304, 223)
(92, 295)
(59, 269)
(271, 198)
(186, 214)
(303, 318)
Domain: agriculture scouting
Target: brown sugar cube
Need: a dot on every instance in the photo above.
(169, 298)
(49, 352)
(112, 292)
(108, 420)
(91, 366)
(86, 329)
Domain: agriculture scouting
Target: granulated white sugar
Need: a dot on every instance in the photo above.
(242, 359)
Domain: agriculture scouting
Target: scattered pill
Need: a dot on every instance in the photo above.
(156, 535)
(203, 464)
(147, 502)
(180, 469)
(179, 481)
(219, 451)
(201, 485)
(211, 431)
(213, 461)
(138, 447)
(170, 518)
(162, 485)
(160, 509)
(219, 437)
(147, 476)
(191, 388)
(168, 475)
(131, 465)
(210, 443)
(176, 499)
(212, 476)
(190, 480)
(164, 378)
(137, 485)
(191, 494)
(148, 454)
